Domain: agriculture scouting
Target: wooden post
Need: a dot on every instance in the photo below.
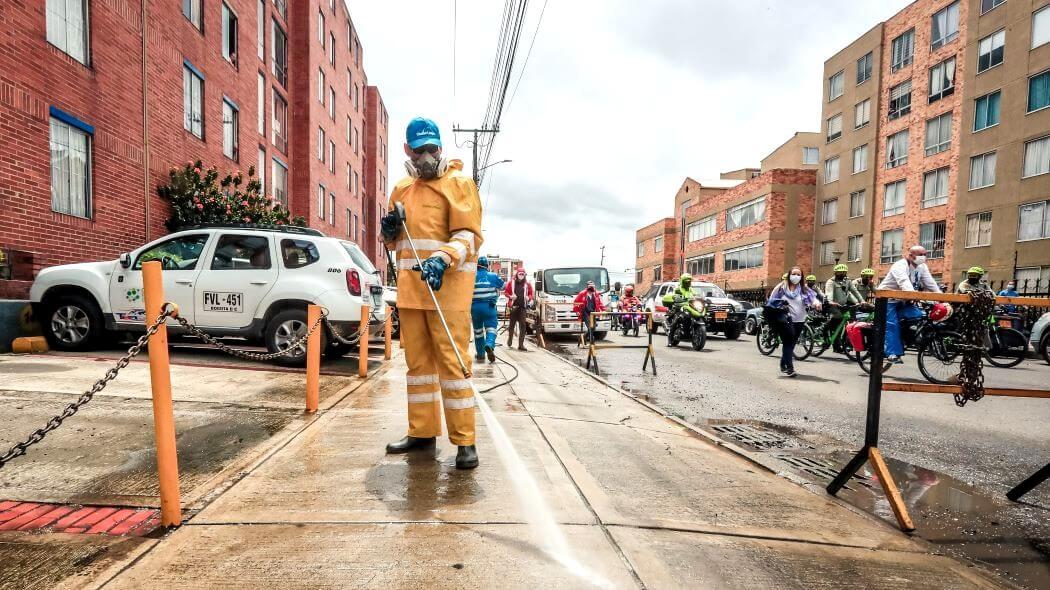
(313, 359)
(163, 408)
(362, 358)
(388, 328)
(890, 487)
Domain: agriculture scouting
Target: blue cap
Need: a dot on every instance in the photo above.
(422, 132)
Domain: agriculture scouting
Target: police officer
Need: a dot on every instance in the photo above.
(840, 291)
(483, 313)
(865, 284)
(973, 281)
(811, 282)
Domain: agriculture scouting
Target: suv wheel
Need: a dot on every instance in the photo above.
(284, 328)
(751, 325)
(1044, 348)
(732, 331)
(72, 322)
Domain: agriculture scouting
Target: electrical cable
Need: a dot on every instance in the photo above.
(528, 54)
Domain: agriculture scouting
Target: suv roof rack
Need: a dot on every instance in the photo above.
(289, 229)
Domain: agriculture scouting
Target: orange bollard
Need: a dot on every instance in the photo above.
(388, 329)
(163, 409)
(362, 357)
(313, 358)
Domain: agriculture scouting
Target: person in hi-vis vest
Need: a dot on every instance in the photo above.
(443, 215)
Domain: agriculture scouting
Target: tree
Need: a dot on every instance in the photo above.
(199, 197)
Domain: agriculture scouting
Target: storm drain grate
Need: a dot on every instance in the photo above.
(76, 519)
(756, 437)
(822, 470)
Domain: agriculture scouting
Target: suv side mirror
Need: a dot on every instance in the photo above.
(125, 260)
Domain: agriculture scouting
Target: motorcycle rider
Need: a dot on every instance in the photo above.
(483, 313)
(973, 281)
(615, 305)
(586, 303)
(910, 273)
(630, 303)
(519, 297)
(681, 298)
(865, 284)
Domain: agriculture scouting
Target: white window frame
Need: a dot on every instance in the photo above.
(321, 28)
(331, 156)
(811, 151)
(761, 246)
(320, 85)
(836, 85)
(260, 32)
(892, 257)
(987, 46)
(834, 127)
(865, 66)
(860, 157)
(947, 35)
(261, 107)
(941, 143)
(1044, 208)
(229, 43)
(903, 107)
(978, 230)
(862, 113)
(995, 3)
(855, 254)
(939, 73)
(231, 130)
(827, 253)
(895, 155)
(71, 168)
(322, 144)
(192, 101)
(1041, 16)
(982, 158)
(941, 184)
(701, 229)
(1038, 150)
(640, 250)
(829, 211)
(331, 208)
(260, 170)
(280, 190)
(195, 14)
(988, 100)
(658, 244)
(69, 31)
(900, 198)
(322, 196)
(855, 197)
(759, 213)
(829, 165)
(931, 246)
(1028, 100)
(907, 50)
(692, 265)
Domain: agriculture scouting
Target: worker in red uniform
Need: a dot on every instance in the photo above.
(587, 302)
(519, 296)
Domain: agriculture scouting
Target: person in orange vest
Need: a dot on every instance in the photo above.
(443, 215)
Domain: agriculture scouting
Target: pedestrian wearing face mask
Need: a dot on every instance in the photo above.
(910, 273)
(443, 216)
(586, 303)
(793, 298)
(1010, 291)
(519, 297)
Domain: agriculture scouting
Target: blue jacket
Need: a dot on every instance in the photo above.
(487, 287)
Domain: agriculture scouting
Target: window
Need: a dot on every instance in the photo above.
(979, 229)
(982, 170)
(67, 26)
(893, 201)
(931, 237)
(827, 252)
(192, 100)
(935, 187)
(349, 83)
(942, 80)
(229, 34)
(280, 182)
(944, 25)
(184, 250)
(987, 5)
(356, 236)
(192, 10)
(357, 141)
(810, 155)
(1036, 157)
(331, 103)
(320, 85)
(1040, 27)
(235, 252)
(698, 230)
(831, 170)
(349, 126)
(938, 134)
(231, 129)
(862, 113)
(990, 50)
(701, 265)
(280, 122)
(1034, 221)
(321, 192)
(864, 68)
(860, 159)
(70, 165)
(856, 203)
(892, 245)
(640, 250)
(331, 208)
(639, 276)
(280, 55)
(744, 257)
(835, 86)
(1033, 279)
(746, 214)
(320, 27)
(260, 170)
(834, 128)
(298, 253)
(900, 100)
(321, 144)
(897, 149)
(829, 211)
(349, 224)
(1039, 92)
(658, 244)
(986, 111)
(902, 49)
(355, 183)
(282, 7)
(357, 97)
(260, 93)
(331, 156)
(658, 273)
(854, 248)
(331, 48)
(260, 32)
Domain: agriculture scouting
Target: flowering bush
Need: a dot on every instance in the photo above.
(199, 196)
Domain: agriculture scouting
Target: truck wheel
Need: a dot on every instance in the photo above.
(283, 328)
(72, 322)
(732, 331)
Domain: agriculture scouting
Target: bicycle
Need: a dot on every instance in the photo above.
(825, 338)
(1006, 347)
(768, 340)
(936, 345)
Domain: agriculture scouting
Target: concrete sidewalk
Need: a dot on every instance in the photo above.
(643, 501)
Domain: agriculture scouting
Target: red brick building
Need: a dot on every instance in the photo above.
(376, 163)
(656, 259)
(93, 113)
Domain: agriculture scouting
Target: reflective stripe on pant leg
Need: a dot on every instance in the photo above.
(456, 391)
(424, 412)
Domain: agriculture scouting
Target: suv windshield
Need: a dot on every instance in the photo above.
(707, 290)
(570, 281)
(359, 257)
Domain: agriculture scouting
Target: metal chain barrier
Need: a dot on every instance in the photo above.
(292, 347)
(20, 449)
(973, 319)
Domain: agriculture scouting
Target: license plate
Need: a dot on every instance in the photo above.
(1006, 323)
(721, 315)
(216, 301)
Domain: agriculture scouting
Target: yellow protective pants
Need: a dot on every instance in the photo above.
(434, 375)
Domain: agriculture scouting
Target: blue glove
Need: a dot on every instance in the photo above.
(432, 271)
(390, 226)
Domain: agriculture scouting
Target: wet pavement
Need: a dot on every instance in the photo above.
(809, 427)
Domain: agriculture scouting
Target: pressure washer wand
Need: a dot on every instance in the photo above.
(400, 210)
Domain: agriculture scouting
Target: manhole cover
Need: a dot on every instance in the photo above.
(756, 437)
(822, 470)
(91, 520)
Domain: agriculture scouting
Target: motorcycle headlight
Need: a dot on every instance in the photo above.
(698, 304)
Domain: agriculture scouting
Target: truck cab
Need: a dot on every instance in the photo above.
(556, 289)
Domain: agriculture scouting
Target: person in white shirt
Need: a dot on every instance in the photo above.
(910, 273)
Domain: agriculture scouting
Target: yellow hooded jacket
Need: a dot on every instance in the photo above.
(443, 215)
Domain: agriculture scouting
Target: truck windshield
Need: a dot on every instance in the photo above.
(570, 281)
(708, 290)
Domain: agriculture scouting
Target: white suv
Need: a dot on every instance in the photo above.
(251, 282)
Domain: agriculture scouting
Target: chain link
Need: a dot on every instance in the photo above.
(293, 347)
(973, 328)
(20, 449)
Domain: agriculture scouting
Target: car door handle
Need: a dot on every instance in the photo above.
(184, 282)
(260, 282)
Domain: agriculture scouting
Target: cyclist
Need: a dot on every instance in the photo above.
(811, 282)
(865, 285)
(910, 273)
(840, 292)
(973, 281)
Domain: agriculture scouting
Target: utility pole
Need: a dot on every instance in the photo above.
(476, 132)
(602, 263)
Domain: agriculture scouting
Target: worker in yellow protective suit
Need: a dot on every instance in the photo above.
(443, 215)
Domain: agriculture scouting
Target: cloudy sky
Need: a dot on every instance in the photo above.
(617, 104)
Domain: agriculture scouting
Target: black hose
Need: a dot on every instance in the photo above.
(501, 384)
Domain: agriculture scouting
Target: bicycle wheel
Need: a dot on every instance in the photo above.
(939, 359)
(766, 340)
(804, 345)
(1008, 348)
(821, 341)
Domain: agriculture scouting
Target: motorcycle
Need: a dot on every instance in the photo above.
(685, 321)
(632, 320)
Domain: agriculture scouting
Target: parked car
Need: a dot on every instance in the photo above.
(253, 282)
(723, 314)
(390, 298)
(1041, 337)
(753, 320)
